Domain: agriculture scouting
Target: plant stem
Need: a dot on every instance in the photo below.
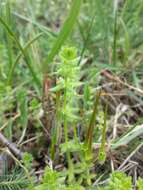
(12, 147)
(70, 165)
(65, 110)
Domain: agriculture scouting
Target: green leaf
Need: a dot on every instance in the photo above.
(71, 146)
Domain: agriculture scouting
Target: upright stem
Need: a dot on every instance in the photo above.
(65, 111)
(70, 165)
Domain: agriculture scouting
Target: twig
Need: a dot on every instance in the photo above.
(10, 153)
(28, 140)
(13, 119)
(12, 147)
(118, 80)
(130, 156)
(119, 111)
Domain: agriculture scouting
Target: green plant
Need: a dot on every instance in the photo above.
(119, 181)
(140, 184)
(15, 180)
(67, 72)
(68, 81)
(27, 160)
(50, 180)
(54, 180)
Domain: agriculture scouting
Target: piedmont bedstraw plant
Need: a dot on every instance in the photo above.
(52, 180)
(120, 181)
(67, 72)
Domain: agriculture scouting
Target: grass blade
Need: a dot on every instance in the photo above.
(11, 71)
(131, 135)
(37, 81)
(89, 136)
(64, 33)
(43, 29)
(9, 42)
